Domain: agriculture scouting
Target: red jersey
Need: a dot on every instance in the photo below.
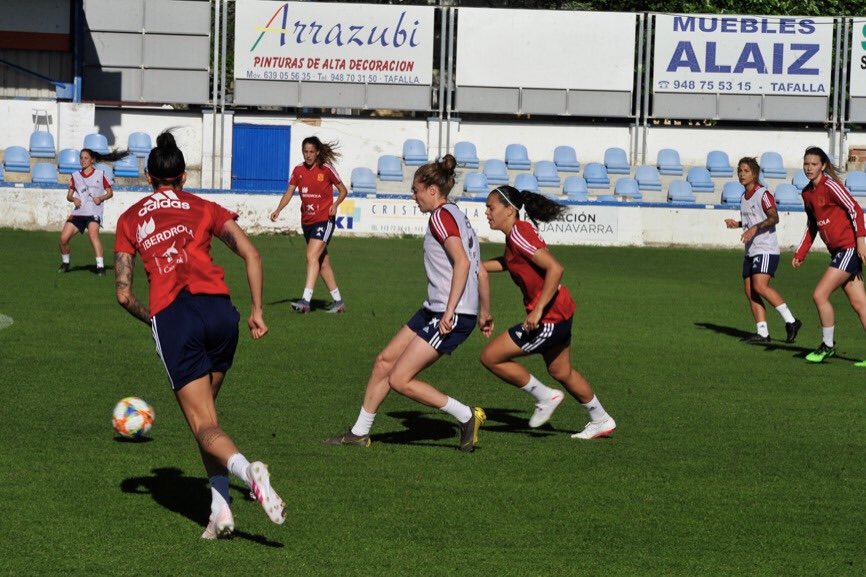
(316, 186)
(172, 232)
(833, 212)
(520, 246)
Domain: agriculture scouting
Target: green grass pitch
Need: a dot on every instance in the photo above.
(729, 459)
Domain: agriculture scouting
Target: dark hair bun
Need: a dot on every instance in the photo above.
(448, 164)
(166, 140)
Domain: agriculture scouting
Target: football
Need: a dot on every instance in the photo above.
(132, 417)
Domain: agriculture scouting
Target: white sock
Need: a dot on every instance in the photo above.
(64, 258)
(364, 423)
(827, 335)
(457, 410)
(335, 294)
(537, 389)
(217, 502)
(595, 410)
(308, 294)
(239, 467)
(100, 262)
(785, 312)
(763, 330)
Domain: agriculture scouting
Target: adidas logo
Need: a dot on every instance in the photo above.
(159, 200)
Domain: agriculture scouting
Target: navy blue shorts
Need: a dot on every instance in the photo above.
(425, 324)
(545, 337)
(81, 222)
(196, 335)
(846, 259)
(764, 263)
(322, 231)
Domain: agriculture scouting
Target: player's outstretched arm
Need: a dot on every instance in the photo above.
(284, 200)
(124, 264)
(485, 319)
(237, 240)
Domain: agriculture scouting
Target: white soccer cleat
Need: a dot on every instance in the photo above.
(220, 526)
(544, 409)
(260, 486)
(596, 429)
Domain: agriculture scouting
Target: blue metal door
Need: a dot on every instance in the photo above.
(260, 157)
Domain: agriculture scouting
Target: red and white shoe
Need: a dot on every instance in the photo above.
(596, 429)
(544, 409)
(260, 486)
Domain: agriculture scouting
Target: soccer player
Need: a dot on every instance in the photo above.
(88, 189)
(194, 323)
(546, 330)
(832, 212)
(457, 288)
(316, 179)
(758, 219)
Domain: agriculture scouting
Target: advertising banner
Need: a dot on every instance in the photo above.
(857, 87)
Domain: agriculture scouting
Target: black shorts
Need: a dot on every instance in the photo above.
(846, 259)
(322, 231)
(425, 324)
(764, 263)
(82, 222)
(546, 336)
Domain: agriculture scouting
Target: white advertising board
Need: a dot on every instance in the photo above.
(743, 54)
(553, 49)
(857, 86)
(323, 42)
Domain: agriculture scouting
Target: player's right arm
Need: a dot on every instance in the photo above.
(237, 240)
(806, 241)
(70, 195)
(287, 196)
(494, 264)
(124, 264)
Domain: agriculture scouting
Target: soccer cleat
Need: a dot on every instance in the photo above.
(469, 430)
(64, 267)
(349, 438)
(220, 526)
(823, 352)
(260, 485)
(302, 306)
(792, 329)
(596, 429)
(756, 339)
(544, 410)
(100, 271)
(860, 364)
(336, 307)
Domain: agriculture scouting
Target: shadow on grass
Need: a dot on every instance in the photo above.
(91, 268)
(799, 351)
(187, 496)
(513, 421)
(315, 304)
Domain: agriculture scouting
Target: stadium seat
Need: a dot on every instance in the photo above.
(127, 167)
(496, 172)
(668, 162)
(466, 155)
(732, 192)
(516, 157)
(772, 165)
(16, 159)
(565, 159)
(616, 161)
(363, 181)
(680, 191)
(595, 175)
(719, 164)
(627, 187)
(475, 182)
(390, 168)
(700, 180)
(800, 180)
(546, 175)
(44, 173)
(42, 145)
(648, 178)
(856, 182)
(414, 152)
(787, 195)
(107, 170)
(139, 144)
(526, 182)
(575, 186)
(69, 161)
(605, 198)
(96, 143)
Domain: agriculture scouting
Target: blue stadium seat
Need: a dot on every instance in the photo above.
(466, 155)
(627, 187)
(574, 187)
(363, 181)
(856, 182)
(787, 195)
(69, 160)
(96, 143)
(680, 191)
(496, 172)
(800, 180)
(772, 165)
(595, 175)
(732, 192)
(668, 162)
(700, 180)
(16, 159)
(516, 157)
(414, 152)
(139, 144)
(42, 145)
(475, 182)
(719, 164)
(127, 167)
(616, 161)
(648, 178)
(605, 198)
(565, 159)
(44, 173)
(390, 168)
(107, 170)
(545, 173)
(526, 182)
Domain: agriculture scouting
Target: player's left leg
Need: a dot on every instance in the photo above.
(327, 274)
(759, 312)
(761, 285)
(93, 235)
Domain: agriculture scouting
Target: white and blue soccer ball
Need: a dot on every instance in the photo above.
(132, 417)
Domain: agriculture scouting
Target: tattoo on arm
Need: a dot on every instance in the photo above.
(124, 264)
(227, 237)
